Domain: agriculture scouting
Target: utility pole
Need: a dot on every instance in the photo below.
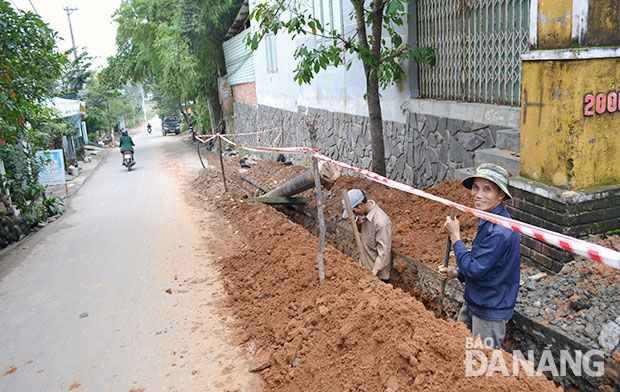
(69, 12)
(143, 107)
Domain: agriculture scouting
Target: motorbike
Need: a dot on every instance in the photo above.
(128, 161)
(148, 129)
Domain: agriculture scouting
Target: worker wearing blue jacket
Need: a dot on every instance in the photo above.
(491, 269)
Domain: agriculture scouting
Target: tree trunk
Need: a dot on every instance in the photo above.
(376, 124)
(371, 65)
(212, 120)
(216, 109)
(107, 105)
(184, 113)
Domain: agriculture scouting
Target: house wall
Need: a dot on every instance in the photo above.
(603, 22)
(334, 89)
(565, 141)
(425, 140)
(245, 93)
(422, 151)
(576, 23)
(554, 23)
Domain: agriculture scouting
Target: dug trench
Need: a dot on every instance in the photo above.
(354, 332)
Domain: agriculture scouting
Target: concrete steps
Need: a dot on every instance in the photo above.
(505, 154)
(508, 139)
(507, 159)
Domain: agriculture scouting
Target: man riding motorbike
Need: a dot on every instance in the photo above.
(148, 127)
(126, 144)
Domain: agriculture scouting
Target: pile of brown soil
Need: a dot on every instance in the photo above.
(352, 333)
(417, 223)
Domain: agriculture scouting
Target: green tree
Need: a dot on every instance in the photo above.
(30, 66)
(381, 58)
(77, 73)
(174, 49)
(151, 50)
(205, 23)
(106, 104)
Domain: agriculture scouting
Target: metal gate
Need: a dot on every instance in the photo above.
(478, 44)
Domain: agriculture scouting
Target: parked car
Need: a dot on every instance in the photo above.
(170, 124)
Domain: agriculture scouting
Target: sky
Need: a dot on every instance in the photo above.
(92, 23)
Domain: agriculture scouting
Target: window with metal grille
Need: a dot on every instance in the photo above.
(478, 46)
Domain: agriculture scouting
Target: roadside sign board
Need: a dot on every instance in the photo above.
(53, 169)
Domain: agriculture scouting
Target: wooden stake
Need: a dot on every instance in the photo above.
(319, 199)
(198, 143)
(445, 264)
(219, 139)
(356, 233)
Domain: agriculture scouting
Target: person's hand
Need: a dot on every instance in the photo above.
(453, 228)
(447, 273)
(375, 272)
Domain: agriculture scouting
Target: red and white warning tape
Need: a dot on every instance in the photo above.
(289, 150)
(199, 138)
(273, 143)
(251, 133)
(583, 248)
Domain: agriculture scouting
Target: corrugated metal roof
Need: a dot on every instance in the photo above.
(241, 21)
(239, 60)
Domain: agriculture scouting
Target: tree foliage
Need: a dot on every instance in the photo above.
(77, 73)
(174, 48)
(106, 103)
(382, 58)
(30, 66)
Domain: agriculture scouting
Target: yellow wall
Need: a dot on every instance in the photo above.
(554, 23)
(603, 23)
(559, 145)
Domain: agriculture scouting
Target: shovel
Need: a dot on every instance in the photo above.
(445, 264)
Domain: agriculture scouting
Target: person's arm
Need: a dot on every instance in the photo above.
(475, 266)
(383, 237)
(359, 220)
(131, 141)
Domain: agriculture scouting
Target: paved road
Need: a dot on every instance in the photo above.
(83, 303)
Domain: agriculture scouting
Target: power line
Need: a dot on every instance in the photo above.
(35, 10)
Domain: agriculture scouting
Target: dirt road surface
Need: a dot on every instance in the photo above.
(121, 293)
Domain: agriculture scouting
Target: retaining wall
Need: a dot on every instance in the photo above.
(423, 152)
(11, 228)
(574, 213)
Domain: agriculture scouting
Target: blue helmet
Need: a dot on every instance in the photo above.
(124, 132)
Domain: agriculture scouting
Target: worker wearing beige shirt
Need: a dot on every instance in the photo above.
(376, 234)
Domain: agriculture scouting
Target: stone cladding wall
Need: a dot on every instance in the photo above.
(422, 152)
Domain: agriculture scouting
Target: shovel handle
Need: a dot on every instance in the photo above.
(448, 244)
(446, 259)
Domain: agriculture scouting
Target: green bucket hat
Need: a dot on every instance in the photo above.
(492, 172)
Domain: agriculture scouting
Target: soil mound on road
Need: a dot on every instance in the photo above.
(351, 333)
